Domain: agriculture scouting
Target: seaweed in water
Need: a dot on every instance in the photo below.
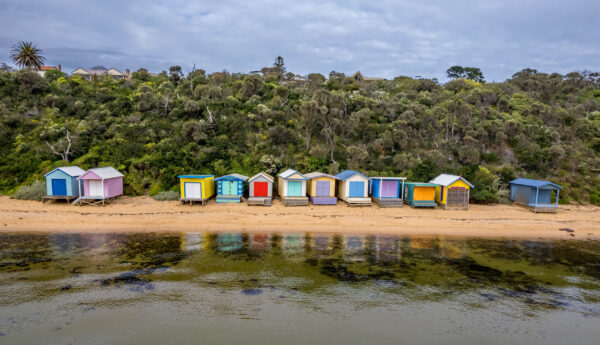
(131, 278)
(252, 292)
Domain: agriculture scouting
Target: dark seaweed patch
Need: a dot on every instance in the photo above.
(251, 292)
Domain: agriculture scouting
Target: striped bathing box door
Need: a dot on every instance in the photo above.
(229, 188)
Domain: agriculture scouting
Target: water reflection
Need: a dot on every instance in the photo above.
(526, 277)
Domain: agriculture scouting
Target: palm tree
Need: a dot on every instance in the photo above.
(26, 55)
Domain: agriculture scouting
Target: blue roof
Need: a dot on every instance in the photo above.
(195, 176)
(236, 177)
(346, 174)
(534, 183)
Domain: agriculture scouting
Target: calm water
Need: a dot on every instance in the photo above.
(205, 288)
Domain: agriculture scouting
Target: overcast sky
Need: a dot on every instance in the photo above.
(381, 38)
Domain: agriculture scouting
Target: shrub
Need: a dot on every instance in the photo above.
(168, 195)
(35, 191)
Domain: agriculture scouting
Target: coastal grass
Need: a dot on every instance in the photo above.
(35, 191)
(166, 196)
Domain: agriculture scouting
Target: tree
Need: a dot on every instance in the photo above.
(175, 74)
(64, 147)
(5, 68)
(26, 55)
(279, 65)
(312, 115)
(473, 73)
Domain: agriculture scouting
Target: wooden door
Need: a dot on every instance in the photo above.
(457, 197)
(323, 188)
(357, 189)
(389, 189)
(261, 189)
(95, 188)
(193, 190)
(294, 188)
(59, 187)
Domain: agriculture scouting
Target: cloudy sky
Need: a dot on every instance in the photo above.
(383, 38)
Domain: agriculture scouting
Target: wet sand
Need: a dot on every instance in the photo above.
(144, 214)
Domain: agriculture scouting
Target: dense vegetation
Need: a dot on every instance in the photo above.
(153, 128)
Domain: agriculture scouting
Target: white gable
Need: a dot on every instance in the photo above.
(80, 71)
(266, 176)
(445, 179)
(114, 71)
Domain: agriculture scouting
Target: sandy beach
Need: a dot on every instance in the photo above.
(144, 214)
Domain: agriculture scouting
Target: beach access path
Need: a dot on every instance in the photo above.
(144, 214)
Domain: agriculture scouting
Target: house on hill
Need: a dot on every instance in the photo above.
(100, 71)
(43, 69)
(359, 78)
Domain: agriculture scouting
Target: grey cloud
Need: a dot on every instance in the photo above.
(381, 38)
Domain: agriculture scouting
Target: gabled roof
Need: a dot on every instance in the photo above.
(72, 171)
(534, 183)
(233, 176)
(346, 174)
(286, 174)
(102, 173)
(194, 176)
(263, 174)
(447, 179)
(316, 174)
(108, 71)
(80, 69)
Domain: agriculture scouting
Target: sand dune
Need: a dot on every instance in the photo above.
(146, 214)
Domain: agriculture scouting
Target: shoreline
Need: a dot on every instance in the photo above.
(144, 214)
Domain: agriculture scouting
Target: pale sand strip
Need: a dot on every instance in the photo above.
(146, 214)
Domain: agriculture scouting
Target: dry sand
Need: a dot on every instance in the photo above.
(145, 214)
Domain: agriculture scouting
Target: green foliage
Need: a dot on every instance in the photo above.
(472, 73)
(156, 127)
(166, 195)
(35, 191)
